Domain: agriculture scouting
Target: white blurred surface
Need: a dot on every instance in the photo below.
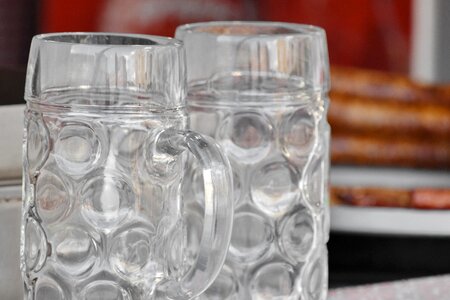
(430, 57)
(388, 177)
(389, 221)
(427, 288)
(10, 209)
(11, 133)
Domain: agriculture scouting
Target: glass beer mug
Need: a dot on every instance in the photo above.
(104, 159)
(261, 90)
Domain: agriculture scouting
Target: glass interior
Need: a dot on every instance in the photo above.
(93, 39)
(251, 28)
(106, 70)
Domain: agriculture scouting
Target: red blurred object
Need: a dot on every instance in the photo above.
(163, 16)
(371, 34)
(363, 33)
(60, 16)
(159, 17)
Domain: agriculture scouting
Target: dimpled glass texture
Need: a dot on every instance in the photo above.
(260, 89)
(104, 157)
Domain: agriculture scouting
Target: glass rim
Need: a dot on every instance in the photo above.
(152, 41)
(293, 29)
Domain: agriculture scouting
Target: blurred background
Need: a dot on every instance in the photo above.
(365, 33)
(390, 67)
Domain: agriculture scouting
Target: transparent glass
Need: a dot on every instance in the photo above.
(261, 90)
(103, 164)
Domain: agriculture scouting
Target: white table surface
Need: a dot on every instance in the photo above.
(10, 280)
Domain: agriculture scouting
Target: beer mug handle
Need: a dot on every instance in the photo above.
(218, 216)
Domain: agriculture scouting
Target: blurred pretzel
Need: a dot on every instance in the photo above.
(420, 198)
(386, 86)
(396, 152)
(355, 114)
(383, 119)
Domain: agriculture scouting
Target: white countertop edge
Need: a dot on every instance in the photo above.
(390, 221)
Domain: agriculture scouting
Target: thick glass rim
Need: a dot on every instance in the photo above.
(135, 40)
(278, 29)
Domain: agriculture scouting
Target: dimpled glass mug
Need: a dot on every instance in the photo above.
(260, 89)
(104, 159)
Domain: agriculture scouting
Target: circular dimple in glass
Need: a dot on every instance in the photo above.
(151, 202)
(126, 143)
(196, 186)
(325, 224)
(37, 143)
(77, 148)
(176, 246)
(131, 252)
(272, 281)
(162, 166)
(251, 238)
(225, 287)
(236, 186)
(297, 135)
(297, 235)
(316, 184)
(129, 141)
(52, 197)
(48, 289)
(35, 245)
(105, 290)
(76, 251)
(316, 278)
(247, 136)
(274, 188)
(106, 200)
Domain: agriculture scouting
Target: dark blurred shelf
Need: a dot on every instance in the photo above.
(12, 85)
(356, 259)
